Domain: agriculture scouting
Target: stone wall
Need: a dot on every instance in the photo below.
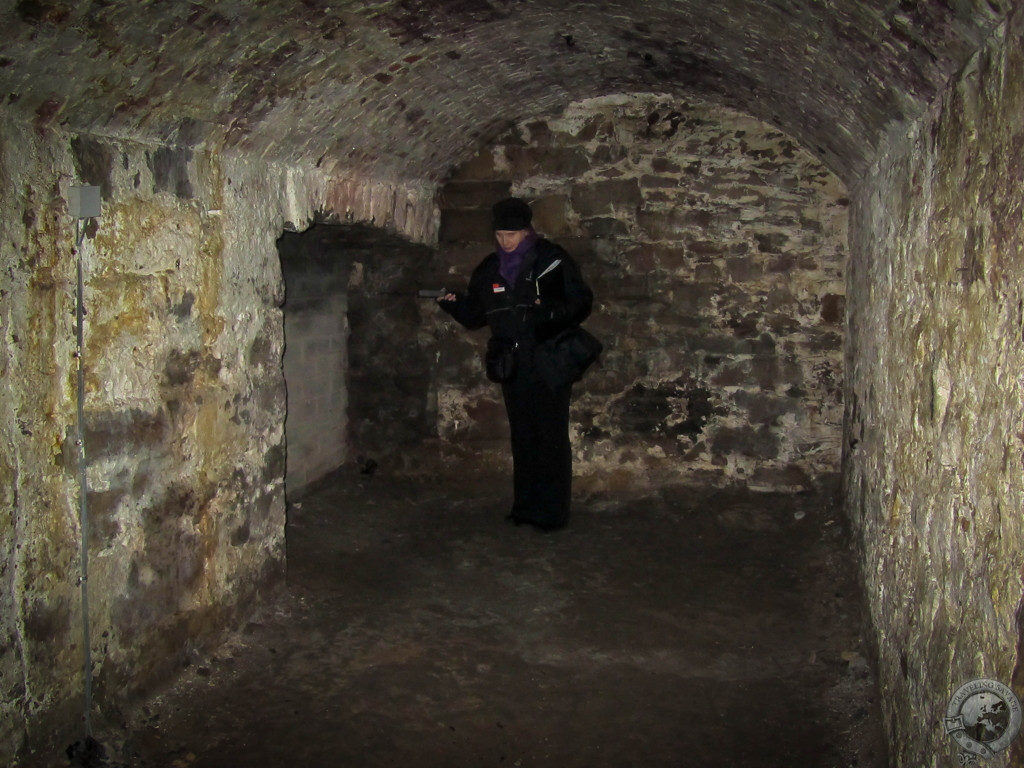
(184, 413)
(392, 356)
(935, 399)
(716, 249)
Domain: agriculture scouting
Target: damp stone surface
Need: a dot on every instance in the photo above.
(716, 249)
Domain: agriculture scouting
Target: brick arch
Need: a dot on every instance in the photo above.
(405, 89)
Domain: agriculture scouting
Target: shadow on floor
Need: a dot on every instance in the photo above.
(420, 629)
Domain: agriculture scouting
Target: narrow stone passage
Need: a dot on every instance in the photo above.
(418, 628)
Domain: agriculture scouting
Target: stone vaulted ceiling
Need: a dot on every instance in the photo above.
(405, 89)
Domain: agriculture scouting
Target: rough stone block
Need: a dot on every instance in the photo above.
(605, 197)
(643, 410)
(833, 308)
(666, 257)
(781, 299)
(693, 298)
(659, 198)
(479, 195)
(706, 273)
(609, 154)
(460, 259)
(604, 228)
(760, 443)
(791, 477)
(744, 269)
(745, 325)
(658, 182)
(609, 376)
(487, 420)
(674, 224)
(789, 262)
(581, 247)
(525, 162)
(550, 215)
(480, 167)
(732, 375)
(783, 324)
(466, 226)
(822, 341)
(765, 371)
(589, 131)
(621, 286)
(664, 165)
(715, 249)
(539, 133)
(642, 259)
(764, 408)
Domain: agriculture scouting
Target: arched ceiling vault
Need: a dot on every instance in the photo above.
(405, 89)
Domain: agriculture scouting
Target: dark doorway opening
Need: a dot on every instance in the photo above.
(357, 363)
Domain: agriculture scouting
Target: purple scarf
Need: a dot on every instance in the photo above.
(510, 262)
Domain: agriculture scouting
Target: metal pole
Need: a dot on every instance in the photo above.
(83, 482)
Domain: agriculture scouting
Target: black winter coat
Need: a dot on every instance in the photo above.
(512, 312)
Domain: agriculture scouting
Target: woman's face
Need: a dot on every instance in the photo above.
(509, 239)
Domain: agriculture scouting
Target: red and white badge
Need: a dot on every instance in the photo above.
(498, 288)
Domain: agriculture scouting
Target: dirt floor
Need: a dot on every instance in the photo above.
(419, 628)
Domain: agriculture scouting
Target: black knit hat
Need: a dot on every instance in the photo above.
(511, 214)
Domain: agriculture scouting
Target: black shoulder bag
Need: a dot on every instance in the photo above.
(563, 359)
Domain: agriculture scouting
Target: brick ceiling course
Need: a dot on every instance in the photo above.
(406, 89)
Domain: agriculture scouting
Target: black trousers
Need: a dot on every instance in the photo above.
(541, 453)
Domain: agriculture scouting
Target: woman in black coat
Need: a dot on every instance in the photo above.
(528, 291)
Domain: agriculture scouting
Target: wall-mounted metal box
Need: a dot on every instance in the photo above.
(84, 202)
